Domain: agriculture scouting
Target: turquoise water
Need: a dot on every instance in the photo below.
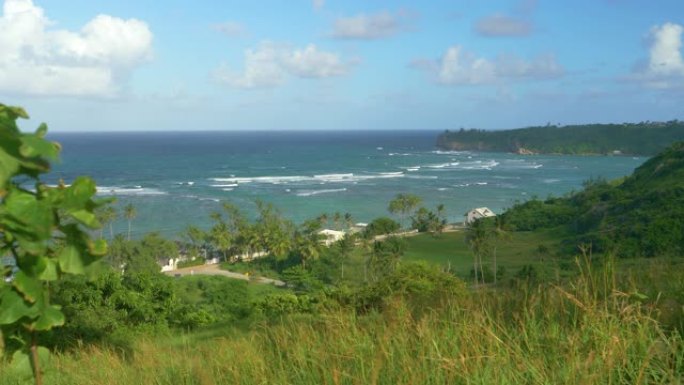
(177, 179)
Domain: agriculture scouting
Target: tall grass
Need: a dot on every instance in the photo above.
(595, 330)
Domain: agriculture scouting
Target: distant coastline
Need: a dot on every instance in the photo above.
(633, 139)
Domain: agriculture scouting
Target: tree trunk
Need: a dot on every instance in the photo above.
(475, 268)
(495, 266)
(481, 270)
(35, 360)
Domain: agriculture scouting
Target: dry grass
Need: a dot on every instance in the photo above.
(591, 332)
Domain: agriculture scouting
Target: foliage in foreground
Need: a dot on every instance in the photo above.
(596, 330)
(43, 235)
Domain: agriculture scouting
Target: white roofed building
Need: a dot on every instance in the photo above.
(331, 236)
(475, 214)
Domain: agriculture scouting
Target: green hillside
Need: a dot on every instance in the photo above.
(642, 215)
(646, 138)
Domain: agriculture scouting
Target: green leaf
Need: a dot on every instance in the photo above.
(87, 218)
(32, 264)
(78, 194)
(51, 316)
(8, 166)
(33, 215)
(21, 364)
(42, 130)
(13, 308)
(71, 260)
(31, 288)
(98, 247)
(19, 112)
(31, 246)
(33, 146)
(50, 273)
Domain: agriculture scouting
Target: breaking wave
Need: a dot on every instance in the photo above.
(308, 193)
(134, 190)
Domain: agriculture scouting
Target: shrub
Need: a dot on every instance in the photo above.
(381, 226)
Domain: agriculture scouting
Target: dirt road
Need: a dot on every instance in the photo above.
(215, 270)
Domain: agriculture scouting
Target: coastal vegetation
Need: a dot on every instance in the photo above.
(586, 288)
(644, 138)
(638, 216)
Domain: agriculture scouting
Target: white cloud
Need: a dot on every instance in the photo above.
(459, 67)
(312, 63)
(665, 67)
(270, 64)
(231, 29)
(318, 4)
(369, 27)
(503, 26)
(37, 60)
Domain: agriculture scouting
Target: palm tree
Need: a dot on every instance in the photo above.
(476, 238)
(323, 219)
(195, 240)
(499, 232)
(106, 216)
(385, 256)
(441, 218)
(220, 236)
(403, 204)
(130, 213)
(346, 247)
(348, 220)
(337, 218)
(307, 241)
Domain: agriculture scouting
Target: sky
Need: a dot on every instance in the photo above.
(148, 65)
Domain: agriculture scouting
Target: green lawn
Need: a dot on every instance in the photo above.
(450, 249)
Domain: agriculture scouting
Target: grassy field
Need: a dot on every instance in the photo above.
(450, 249)
(590, 332)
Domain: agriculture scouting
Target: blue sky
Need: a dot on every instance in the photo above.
(91, 65)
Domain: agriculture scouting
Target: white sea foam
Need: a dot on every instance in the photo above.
(551, 180)
(471, 165)
(441, 165)
(227, 189)
(225, 185)
(441, 152)
(335, 177)
(135, 190)
(382, 175)
(264, 179)
(411, 168)
(422, 177)
(471, 184)
(303, 179)
(308, 193)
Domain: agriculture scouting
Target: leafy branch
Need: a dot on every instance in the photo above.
(43, 235)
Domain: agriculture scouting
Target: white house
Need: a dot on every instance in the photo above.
(169, 264)
(475, 214)
(331, 236)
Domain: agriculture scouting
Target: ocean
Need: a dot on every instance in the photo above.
(176, 179)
